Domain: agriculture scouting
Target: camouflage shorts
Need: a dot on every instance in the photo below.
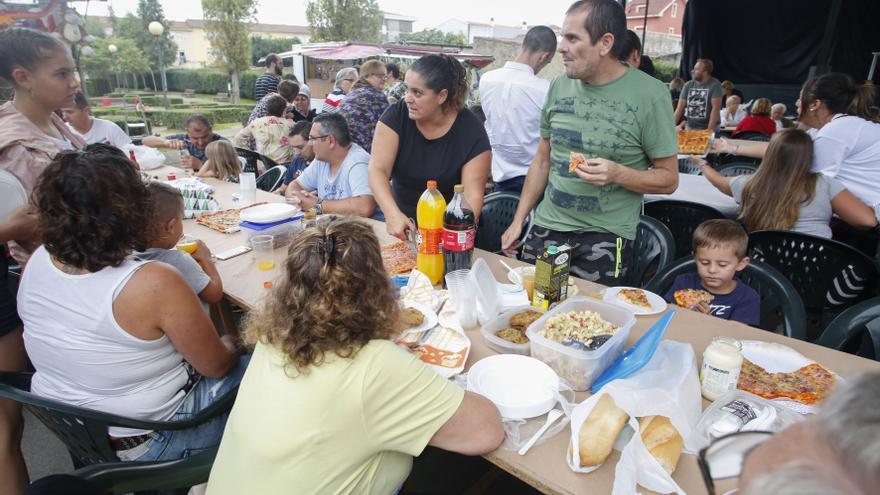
(594, 255)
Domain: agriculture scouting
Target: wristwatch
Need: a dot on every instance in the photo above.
(318, 208)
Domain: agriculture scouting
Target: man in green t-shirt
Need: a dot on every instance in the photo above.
(620, 119)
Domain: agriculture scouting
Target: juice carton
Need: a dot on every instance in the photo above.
(551, 277)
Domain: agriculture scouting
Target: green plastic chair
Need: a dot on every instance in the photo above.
(778, 296)
(653, 250)
(856, 330)
(496, 216)
(84, 433)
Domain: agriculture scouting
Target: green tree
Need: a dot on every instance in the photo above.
(129, 59)
(95, 27)
(260, 46)
(147, 12)
(434, 36)
(341, 20)
(227, 31)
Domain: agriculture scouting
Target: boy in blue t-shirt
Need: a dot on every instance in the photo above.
(720, 252)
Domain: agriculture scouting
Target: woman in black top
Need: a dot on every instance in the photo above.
(429, 135)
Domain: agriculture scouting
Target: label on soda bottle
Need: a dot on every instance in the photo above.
(430, 241)
(458, 240)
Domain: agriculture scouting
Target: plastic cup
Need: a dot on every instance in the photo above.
(264, 251)
(248, 188)
(187, 244)
(528, 281)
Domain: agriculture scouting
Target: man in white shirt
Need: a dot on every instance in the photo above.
(79, 118)
(512, 98)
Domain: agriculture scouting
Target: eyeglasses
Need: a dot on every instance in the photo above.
(382, 75)
(350, 80)
(312, 139)
(724, 457)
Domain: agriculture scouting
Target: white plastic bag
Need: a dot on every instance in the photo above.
(667, 386)
(519, 431)
(148, 158)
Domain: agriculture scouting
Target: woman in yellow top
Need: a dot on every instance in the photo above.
(270, 133)
(329, 404)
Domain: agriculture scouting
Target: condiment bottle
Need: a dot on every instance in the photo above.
(722, 362)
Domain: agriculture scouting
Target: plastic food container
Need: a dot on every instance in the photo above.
(578, 367)
(270, 213)
(282, 231)
(498, 344)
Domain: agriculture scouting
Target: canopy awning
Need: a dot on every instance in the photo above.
(351, 51)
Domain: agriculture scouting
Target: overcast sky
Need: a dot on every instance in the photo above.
(428, 13)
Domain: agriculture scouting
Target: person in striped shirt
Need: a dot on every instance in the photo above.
(268, 81)
(345, 78)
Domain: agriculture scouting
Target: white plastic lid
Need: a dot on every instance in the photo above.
(268, 213)
(486, 290)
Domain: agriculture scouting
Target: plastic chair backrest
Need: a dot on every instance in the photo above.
(495, 218)
(856, 330)
(270, 180)
(778, 296)
(686, 166)
(252, 157)
(653, 250)
(682, 218)
(84, 436)
(830, 276)
(12, 194)
(735, 169)
(127, 477)
(752, 136)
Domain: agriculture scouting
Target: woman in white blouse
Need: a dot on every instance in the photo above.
(732, 113)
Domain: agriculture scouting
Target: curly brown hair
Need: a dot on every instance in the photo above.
(93, 208)
(334, 296)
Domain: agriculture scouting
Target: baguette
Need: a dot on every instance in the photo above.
(662, 440)
(600, 430)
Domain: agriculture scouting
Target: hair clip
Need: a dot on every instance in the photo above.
(327, 248)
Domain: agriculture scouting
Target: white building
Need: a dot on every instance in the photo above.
(472, 30)
(393, 25)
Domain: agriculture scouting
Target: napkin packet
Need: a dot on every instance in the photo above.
(197, 196)
(419, 290)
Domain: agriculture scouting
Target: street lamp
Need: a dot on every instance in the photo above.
(113, 50)
(156, 29)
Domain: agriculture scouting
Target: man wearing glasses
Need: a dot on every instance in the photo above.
(336, 181)
(366, 103)
(302, 151)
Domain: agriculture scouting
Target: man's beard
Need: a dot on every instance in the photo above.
(278, 70)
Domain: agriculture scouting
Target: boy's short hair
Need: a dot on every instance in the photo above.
(722, 232)
(167, 200)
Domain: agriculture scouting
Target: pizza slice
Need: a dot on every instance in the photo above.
(636, 297)
(688, 298)
(398, 258)
(575, 160)
(807, 385)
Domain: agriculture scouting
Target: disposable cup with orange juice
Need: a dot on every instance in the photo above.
(429, 212)
(264, 251)
(188, 244)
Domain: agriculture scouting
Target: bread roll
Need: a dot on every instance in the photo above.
(599, 432)
(662, 440)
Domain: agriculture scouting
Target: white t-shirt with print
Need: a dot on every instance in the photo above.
(104, 131)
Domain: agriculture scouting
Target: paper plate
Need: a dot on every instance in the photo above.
(268, 213)
(445, 350)
(430, 320)
(520, 386)
(658, 304)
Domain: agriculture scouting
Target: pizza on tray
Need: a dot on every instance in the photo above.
(807, 385)
(636, 297)
(688, 298)
(575, 160)
(224, 221)
(398, 258)
(694, 142)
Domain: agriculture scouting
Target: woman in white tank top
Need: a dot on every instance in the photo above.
(110, 332)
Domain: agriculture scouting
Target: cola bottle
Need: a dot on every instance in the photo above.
(459, 230)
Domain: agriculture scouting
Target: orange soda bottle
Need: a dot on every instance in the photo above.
(429, 212)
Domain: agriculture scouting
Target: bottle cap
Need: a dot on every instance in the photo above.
(459, 188)
(552, 250)
(432, 184)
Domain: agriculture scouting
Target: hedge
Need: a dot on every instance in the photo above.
(98, 87)
(209, 81)
(176, 118)
(665, 71)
